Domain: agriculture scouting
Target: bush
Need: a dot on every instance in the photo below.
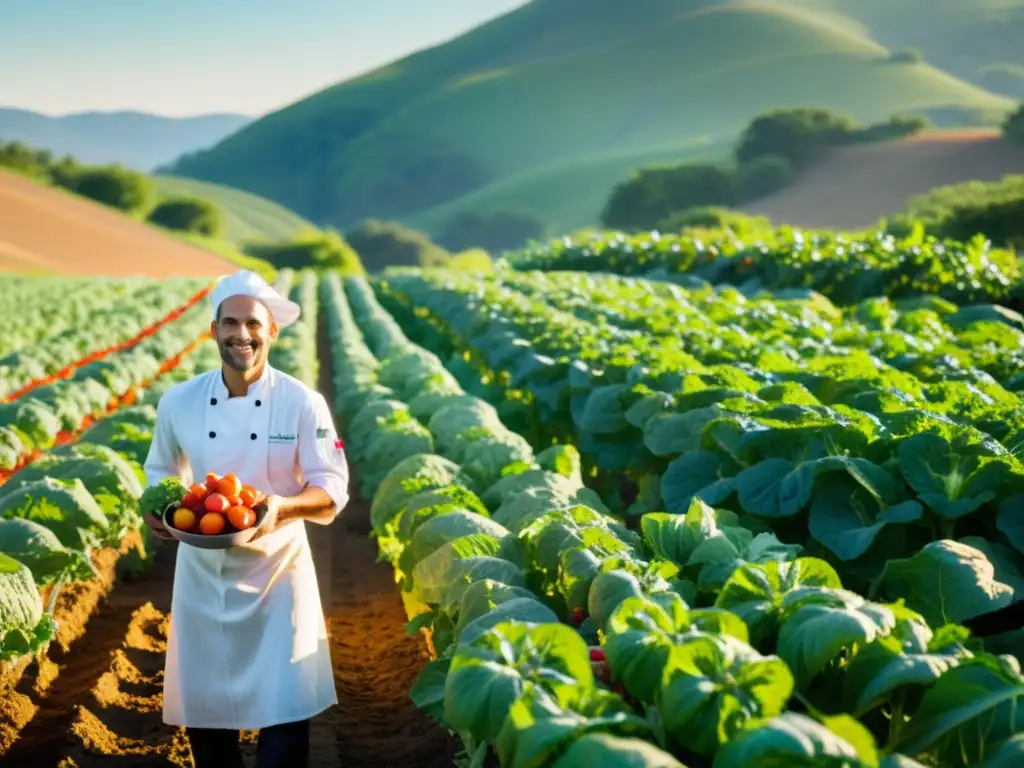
(473, 260)
(1001, 221)
(1013, 128)
(497, 231)
(961, 211)
(114, 186)
(764, 175)
(64, 172)
(906, 56)
(313, 250)
(798, 135)
(896, 127)
(21, 158)
(383, 244)
(710, 218)
(652, 195)
(187, 215)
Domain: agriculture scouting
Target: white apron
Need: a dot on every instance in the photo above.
(247, 646)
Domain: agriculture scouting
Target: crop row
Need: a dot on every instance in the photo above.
(930, 338)
(39, 307)
(770, 435)
(846, 269)
(79, 496)
(450, 486)
(295, 351)
(50, 415)
(140, 311)
(809, 493)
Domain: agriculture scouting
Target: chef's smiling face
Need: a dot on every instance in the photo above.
(244, 329)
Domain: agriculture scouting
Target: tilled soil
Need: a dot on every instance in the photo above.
(103, 705)
(51, 230)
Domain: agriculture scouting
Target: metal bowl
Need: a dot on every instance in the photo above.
(221, 540)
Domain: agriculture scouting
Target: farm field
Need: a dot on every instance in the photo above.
(47, 230)
(596, 518)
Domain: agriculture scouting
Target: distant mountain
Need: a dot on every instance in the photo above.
(544, 109)
(135, 139)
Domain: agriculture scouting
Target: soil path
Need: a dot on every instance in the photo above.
(104, 707)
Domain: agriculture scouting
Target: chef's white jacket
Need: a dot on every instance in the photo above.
(247, 646)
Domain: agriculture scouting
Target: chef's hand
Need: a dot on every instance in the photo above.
(270, 521)
(158, 528)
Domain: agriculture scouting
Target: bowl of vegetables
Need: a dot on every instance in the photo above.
(220, 513)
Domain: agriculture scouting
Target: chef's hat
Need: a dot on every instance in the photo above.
(248, 283)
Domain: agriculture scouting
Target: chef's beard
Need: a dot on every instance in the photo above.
(230, 356)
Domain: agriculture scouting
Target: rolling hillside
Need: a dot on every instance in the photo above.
(43, 229)
(246, 217)
(135, 139)
(856, 186)
(488, 118)
(978, 40)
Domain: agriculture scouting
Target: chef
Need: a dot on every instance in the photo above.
(247, 646)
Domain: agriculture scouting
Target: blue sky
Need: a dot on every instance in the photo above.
(183, 57)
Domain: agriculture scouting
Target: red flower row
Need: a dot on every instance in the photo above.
(125, 399)
(92, 357)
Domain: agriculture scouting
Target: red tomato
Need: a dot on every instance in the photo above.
(191, 501)
(216, 502)
(212, 478)
(241, 517)
(229, 485)
(199, 490)
(248, 496)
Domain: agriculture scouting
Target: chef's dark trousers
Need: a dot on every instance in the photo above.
(279, 746)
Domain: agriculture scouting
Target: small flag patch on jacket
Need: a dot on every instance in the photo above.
(323, 432)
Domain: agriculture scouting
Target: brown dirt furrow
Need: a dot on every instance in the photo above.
(25, 686)
(56, 727)
(375, 662)
(854, 187)
(50, 229)
(119, 722)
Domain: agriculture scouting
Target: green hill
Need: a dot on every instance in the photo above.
(978, 40)
(567, 196)
(487, 120)
(246, 217)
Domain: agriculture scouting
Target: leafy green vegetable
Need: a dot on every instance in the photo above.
(63, 506)
(38, 547)
(779, 456)
(157, 498)
(24, 627)
(946, 582)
